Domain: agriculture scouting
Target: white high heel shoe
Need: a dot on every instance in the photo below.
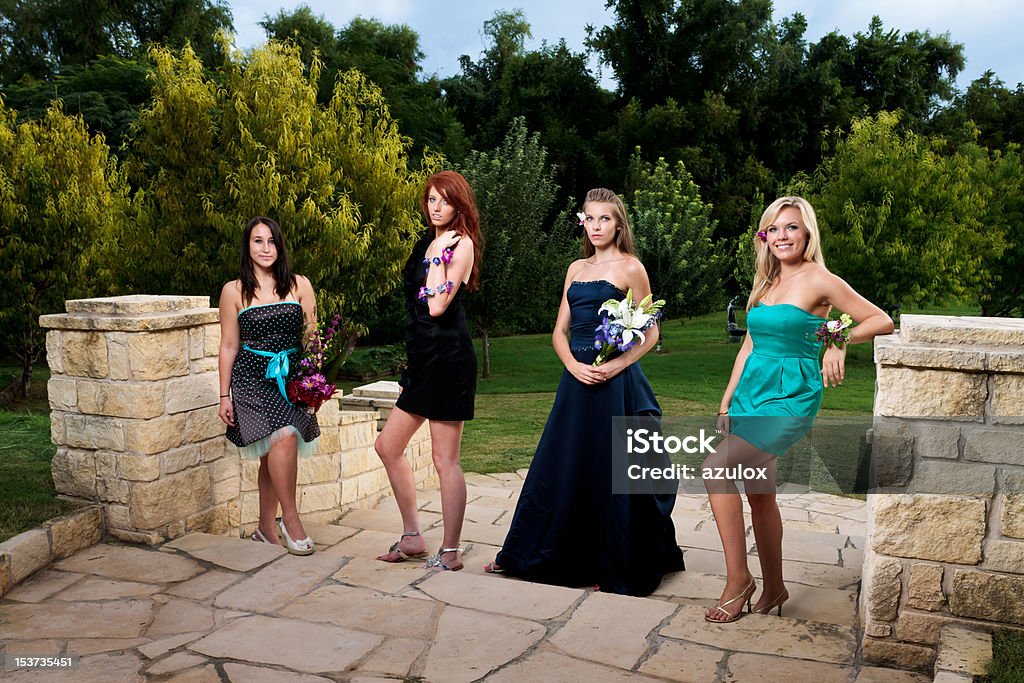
(301, 547)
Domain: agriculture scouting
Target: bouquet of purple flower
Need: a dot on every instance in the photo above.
(327, 348)
(623, 324)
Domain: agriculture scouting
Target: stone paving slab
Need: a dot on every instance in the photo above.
(611, 629)
(240, 555)
(464, 649)
(131, 564)
(212, 608)
(289, 643)
(500, 594)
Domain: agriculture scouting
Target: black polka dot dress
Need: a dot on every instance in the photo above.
(263, 415)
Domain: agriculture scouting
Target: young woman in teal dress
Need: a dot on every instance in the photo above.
(569, 528)
(264, 316)
(775, 390)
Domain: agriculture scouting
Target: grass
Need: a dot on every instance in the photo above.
(1007, 657)
(688, 378)
(511, 410)
(27, 496)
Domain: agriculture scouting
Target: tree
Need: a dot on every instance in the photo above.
(211, 154)
(38, 38)
(388, 55)
(673, 230)
(62, 202)
(901, 222)
(988, 113)
(520, 277)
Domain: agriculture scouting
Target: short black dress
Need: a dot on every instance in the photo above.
(263, 415)
(439, 381)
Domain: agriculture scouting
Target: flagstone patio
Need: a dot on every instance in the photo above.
(213, 608)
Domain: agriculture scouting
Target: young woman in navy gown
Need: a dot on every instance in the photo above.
(569, 528)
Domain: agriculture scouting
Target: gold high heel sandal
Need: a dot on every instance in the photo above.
(746, 594)
(777, 602)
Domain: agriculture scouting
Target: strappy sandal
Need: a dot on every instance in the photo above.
(777, 602)
(259, 537)
(437, 564)
(402, 555)
(746, 594)
(494, 568)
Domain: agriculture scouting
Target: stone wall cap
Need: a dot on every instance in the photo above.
(136, 304)
(897, 350)
(962, 330)
(132, 322)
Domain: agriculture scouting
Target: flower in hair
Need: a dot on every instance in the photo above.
(763, 235)
(582, 216)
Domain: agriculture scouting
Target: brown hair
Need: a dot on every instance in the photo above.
(284, 278)
(457, 192)
(623, 233)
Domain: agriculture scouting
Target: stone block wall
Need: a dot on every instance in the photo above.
(134, 398)
(945, 535)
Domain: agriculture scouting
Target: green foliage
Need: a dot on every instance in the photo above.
(673, 230)
(1002, 173)
(988, 113)
(520, 281)
(901, 222)
(389, 55)
(39, 38)
(208, 157)
(107, 93)
(62, 202)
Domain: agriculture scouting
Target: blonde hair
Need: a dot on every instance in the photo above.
(767, 264)
(623, 233)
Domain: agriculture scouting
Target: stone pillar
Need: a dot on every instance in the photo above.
(945, 528)
(133, 396)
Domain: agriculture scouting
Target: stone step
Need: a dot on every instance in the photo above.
(366, 403)
(381, 389)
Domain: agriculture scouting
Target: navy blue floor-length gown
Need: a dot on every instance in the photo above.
(569, 529)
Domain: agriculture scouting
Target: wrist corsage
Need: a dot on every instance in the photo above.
(834, 332)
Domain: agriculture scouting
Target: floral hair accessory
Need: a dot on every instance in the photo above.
(582, 216)
(834, 332)
(763, 235)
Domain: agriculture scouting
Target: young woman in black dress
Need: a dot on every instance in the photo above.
(439, 383)
(263, 319)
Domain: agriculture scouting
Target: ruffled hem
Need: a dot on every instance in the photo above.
(257, 449)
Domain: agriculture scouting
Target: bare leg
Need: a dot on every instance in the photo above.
(445, 442)
(767, 521)
(727, 507)
(283, 465)
(390, 447)
(268, 503)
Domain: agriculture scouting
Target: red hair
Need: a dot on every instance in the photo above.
(457, 192)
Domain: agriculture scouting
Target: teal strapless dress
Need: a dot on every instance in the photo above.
(779, 391)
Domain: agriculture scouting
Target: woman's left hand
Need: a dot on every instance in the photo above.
(833, 365)
(446, 240)
(610, 369)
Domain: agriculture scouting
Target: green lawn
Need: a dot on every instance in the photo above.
(688, 378)
(512, 407)
(27, 496)
(1007, 657)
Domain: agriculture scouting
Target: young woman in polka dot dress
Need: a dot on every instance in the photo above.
(263, 318)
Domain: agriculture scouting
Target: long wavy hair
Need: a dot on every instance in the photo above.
(457, 192)
(623, 233)
(284, 278)
(767, 264)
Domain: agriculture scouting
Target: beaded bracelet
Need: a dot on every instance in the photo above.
(427, 291)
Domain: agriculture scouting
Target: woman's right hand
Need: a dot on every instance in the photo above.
(586, 374)
(226, 413)
(723, 424)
